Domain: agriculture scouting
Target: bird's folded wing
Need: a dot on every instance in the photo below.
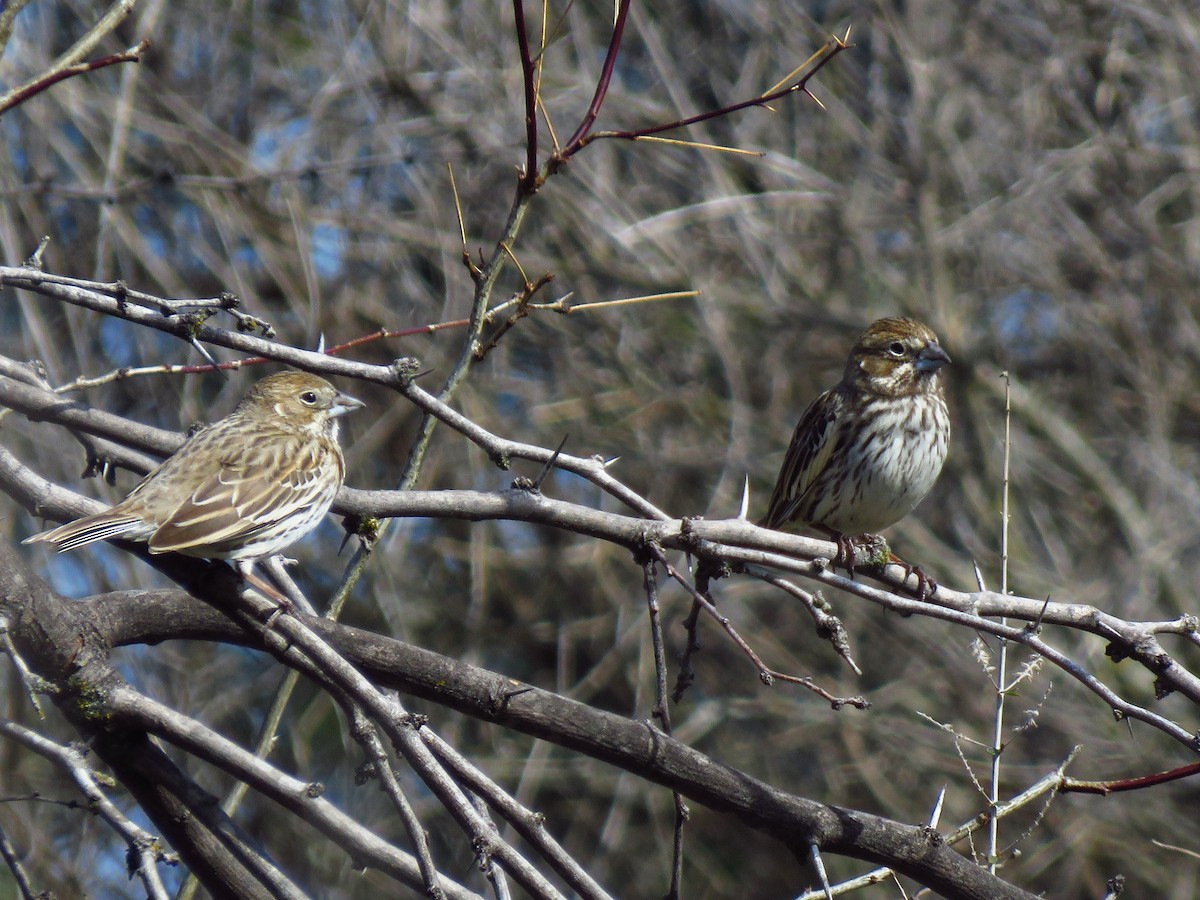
(241, 501)
(813, 440)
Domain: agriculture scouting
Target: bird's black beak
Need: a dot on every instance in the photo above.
(931, 358)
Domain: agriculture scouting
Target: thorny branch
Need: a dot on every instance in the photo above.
(734, 541)
(814, 64)
(144, 847)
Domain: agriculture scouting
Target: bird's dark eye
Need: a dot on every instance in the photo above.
(896, 348)
(308, 397)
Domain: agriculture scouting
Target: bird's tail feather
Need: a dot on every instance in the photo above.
(100, 527)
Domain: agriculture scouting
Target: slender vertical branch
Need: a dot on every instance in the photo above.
(485, 277)
(1004, 485)
(606, 72)
(663, 714)
(12, 859)
(529, 180)
(1002, 661)
(366, 734)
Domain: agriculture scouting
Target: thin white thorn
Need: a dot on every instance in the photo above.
(321, 343)
(742, 510)
(978, 575)
(609, 462)
(203, 351)
(815, 852)
(936, 815)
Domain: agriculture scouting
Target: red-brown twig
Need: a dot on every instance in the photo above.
(579, 138)
(583, 137)
(19, 96)
(766, 674)
(529, 179)
(1104, 788)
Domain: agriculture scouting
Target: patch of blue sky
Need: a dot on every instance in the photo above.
(517, 537)
(512, 406)
(417, 531)
(30, 45)
(1026, 320)
(127, 345)
(66, 230)
(892, 241)
(246, 256)
(281, 145)
(80, 573)
(118, 342)
(328, 249)
(573, 488)
(150, 229)
(1159, 123)
(189, 228)
(106, 868)
(68, 574)
(21, 171)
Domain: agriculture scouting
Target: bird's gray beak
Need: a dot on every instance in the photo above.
(931, 358)
(344, 403)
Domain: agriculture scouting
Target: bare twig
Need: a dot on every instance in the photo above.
(529, 80)
(299, 796)
(17, 96)
(291, 639)
(734, 541)
(828, 625)
(29, 681)
(576, 141)
(662, 712)
(144, 847)
(529, 825)
(1104, 788)
(767, 675)
(12, 859)
(1043, 788)
(368, 738)
(582, 137)
(1001, 685)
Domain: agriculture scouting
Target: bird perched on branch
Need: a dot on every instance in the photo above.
(869, 449)
(241, 489)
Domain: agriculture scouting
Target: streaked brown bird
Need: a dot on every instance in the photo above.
(241, 489)
(869, 449)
